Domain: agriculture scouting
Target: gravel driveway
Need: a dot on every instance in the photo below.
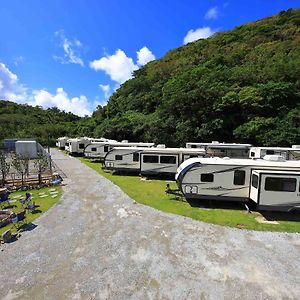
(98, 244)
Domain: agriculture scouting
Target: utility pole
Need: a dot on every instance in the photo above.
(50, 159)
(49, 143)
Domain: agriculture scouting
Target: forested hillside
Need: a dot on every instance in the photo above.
(242, 85)
(27, 121)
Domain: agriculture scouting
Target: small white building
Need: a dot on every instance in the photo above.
(27, 148)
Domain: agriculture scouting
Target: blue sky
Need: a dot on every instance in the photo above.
(74, 54)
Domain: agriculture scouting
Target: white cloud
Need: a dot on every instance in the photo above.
(118, 67)
(144, 55)
(106, 89)
(200, 33)
(71, 50)
(212, 13)
(10, 89)
(77, 105)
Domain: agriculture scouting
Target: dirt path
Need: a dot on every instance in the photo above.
(98, 244)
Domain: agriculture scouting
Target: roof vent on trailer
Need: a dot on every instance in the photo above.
(274, 158)
(161, 146)
(296, 147)
(124, 141)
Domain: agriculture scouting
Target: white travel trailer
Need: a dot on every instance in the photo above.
(223, 149)
(77, 146)
(272, 182)
(124, 159)
(165, 161)
(61, 142)
(100, 149)
(288, 153)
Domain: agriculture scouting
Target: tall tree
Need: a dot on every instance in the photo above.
(21, 165)
(41, 165)
(4, 166)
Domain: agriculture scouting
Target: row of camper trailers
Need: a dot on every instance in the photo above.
(165, 161)
(268, 176)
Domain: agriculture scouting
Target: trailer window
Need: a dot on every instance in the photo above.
(278, 184)
(105, 148)
(239, 177)
(168, 159)
(153, 159)
(252, 154)
(270, 152)
(81, 146)
(136, 156)
(67, 144)
(207, 177)
(254, 181)
(193, 146)
(118, 157)
(94, 149)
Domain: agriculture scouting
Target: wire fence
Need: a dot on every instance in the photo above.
(31, 176)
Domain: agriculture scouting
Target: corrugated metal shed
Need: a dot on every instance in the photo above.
(27, 148)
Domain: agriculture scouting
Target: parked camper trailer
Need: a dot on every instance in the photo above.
(61, 142)
(165, 161)
(100, 149)
(288, 153)
(223, 149)
(232, 179)
(124, 159)
(77, 146)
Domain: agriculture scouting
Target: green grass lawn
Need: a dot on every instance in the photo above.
(42, 204)
(152, 193)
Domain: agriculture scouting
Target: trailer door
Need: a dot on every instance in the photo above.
(255, 185)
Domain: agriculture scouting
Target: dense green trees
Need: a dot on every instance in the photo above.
(27, 121)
